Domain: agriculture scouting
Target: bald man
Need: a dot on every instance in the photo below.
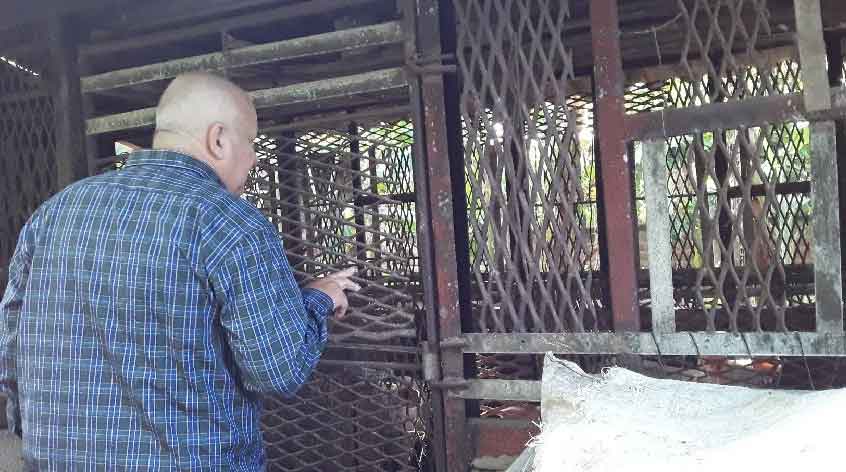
(147, 308)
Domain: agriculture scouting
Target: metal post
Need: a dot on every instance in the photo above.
(289, 190)
(616, 175)
(836, 77)
(461, 226)
(828, 283)
(427, 106)
(360, 250)
(433, 186)
(658, 236)
(71, 159)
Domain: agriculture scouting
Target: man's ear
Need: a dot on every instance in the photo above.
(214, 140)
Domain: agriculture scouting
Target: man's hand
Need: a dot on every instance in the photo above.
(335, 285)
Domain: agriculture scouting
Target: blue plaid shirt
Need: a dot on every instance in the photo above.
(145, 310)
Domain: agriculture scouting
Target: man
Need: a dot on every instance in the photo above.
(147, 308)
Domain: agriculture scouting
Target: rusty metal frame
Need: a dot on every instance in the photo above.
(616, 181)
(615, 129)
(667, 344)
(437, 238)
(754, 111)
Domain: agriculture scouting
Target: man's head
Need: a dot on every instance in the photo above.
(212, 120)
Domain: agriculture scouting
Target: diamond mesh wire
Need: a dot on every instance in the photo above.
(739, 199)
(740, 214)
(529, 170)
(27, 145)
(349, 419)
(344, 197)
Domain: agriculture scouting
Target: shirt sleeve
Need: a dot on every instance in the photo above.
(276, 330)
(10, 310)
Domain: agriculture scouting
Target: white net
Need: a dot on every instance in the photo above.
(621, 420)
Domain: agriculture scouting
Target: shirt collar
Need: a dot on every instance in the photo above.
(172, 159)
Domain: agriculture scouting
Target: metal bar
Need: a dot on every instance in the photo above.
(371, 364)
(801, 187)
(750, 112)
(616, 176)
(287, 194)
(71, 158)
(383, 335)
(699, 343)
(433, 181)
(725, 223)
(386, 199)
(699, 67)
(501, 390)
(355, 165)
(809, 39)
(252, 20)
(836, 76)
(377, 81)
(658, 236)
(434, 369)
(399, 111)
(601, 223)
(828, 282)
(375, 347)
(336, 41)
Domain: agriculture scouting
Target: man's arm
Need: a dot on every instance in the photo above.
(275, 330)
(10, 310)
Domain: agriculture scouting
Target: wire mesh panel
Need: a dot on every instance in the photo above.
(739, 198)
(343, 196)
(743, 201)
(529, 170)
(349, 419)
(27, 145)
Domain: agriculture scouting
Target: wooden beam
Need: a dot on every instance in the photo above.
(297, 48)
(372, 82)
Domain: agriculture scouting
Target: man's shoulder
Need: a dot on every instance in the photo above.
(227, 221)
(223, 208)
